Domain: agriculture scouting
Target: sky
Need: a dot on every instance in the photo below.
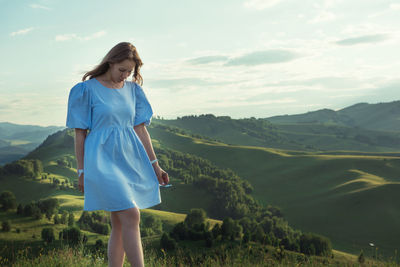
(237, 58)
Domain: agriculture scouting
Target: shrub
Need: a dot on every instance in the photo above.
(71, 219)
(153, 223)
(314, 244)
(56, 219)
(48, 235)
(101, 228)
(99, 245)
(36, 213)
(195, 219)
(8, 200)
(72, 235)
(167, 243)
(361, 258)
(6, 226)
(180, 231)
(20, 209)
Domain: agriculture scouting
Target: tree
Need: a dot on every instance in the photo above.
(209, 239)
(100, 228)
(246, 236)
(99, 245)
(153, 223)
(180, 231)
(8, 200)
(6, 226)
(361, 258)
(314, 244)
(64, 217)
(216, 230)
(167, 243)
(85, 221)
(72, 235)
(227, 228)
(71, 219)
(49, 206)
(56, 219)
(36, 213)
(48, 235)
(20, 209)
(259, 234)
(28, 209)
(195, 219)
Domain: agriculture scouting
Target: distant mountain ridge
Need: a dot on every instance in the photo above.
(381, 116)
(361, 127)
(17, 140)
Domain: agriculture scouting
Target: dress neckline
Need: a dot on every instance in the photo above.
(109, 87)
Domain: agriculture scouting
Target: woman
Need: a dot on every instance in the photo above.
(117, 167)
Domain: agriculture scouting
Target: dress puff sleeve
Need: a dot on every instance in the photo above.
(79, 107)
(143, 110)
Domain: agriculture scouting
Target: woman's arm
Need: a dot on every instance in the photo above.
(144, 136)
(80, 136)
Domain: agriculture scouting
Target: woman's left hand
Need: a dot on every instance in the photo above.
(162, 175)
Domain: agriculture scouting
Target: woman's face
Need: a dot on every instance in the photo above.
(120, 71)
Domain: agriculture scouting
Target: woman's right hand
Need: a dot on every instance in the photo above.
(80, 183)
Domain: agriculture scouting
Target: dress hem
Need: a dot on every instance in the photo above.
(124, 208)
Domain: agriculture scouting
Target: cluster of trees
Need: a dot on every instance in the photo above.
(71, 235)
(96, 222)
(99, 222)
(24, 167)
(65, 162)
(273, 232)
(232, 199)
(190, 168)
(231, 194)
(64, 218)
(37, 209)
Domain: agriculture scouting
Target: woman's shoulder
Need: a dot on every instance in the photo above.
(132, 83)
(82, 87)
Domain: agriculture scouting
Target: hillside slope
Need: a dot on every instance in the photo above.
(17, 140)
(352, 199)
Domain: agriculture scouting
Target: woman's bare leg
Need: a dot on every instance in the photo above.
(116, 253)
(130, 220)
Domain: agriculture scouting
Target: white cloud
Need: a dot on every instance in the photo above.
(39, 7)
(323, 16)
(21, 32)
(395, 6)
(70, 36)
(260, 4)
(65, 37)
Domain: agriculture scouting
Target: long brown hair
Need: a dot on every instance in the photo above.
(117, 54)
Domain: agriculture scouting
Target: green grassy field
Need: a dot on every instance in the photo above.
(352, 199)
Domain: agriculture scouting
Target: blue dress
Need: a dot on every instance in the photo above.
(117, 170)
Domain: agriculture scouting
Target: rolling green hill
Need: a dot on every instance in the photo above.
(349, 197)
(352, 199)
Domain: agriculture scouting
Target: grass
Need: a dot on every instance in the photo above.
(188, 254)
